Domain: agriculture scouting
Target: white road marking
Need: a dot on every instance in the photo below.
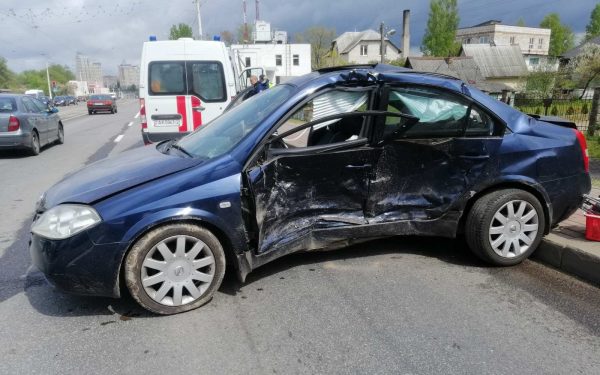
(137, 115)
(131, 123)
(118, 139)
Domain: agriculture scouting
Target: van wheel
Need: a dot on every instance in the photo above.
(175, 268)
(504, 227)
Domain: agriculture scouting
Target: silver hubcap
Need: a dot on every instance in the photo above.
(513, 228)
(178, 270)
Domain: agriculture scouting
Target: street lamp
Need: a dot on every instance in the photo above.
(384, 35)
(48, 76)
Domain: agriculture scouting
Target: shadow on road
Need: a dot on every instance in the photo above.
(447, 250)
(22, 153)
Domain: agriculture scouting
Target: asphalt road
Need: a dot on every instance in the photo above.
(401, 306)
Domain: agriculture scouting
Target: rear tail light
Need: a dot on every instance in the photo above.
(13, 124)
(584, 149)
(143, 114)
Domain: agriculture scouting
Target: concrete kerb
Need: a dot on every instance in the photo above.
(569, 259)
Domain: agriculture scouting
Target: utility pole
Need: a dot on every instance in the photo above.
(382, 47)
(199, 19)
(48, 78)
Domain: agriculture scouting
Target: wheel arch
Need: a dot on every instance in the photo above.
(536, 190)
(226, 242)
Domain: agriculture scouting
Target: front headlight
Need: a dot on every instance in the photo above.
(65, 220)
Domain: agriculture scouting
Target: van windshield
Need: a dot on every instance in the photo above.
(223, 133)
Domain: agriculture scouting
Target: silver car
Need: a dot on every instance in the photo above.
(26, 123)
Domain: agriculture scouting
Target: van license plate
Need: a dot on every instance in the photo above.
(167, 122)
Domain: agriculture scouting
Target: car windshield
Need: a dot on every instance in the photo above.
(100, 97)
(222, 134)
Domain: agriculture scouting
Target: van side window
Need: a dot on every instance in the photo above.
(206, 80)
(167, 78)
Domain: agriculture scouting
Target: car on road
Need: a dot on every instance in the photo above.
(72, 100)
(101, 103)
(332, 158)
(27, 123)
(61, 101)
(46, 100)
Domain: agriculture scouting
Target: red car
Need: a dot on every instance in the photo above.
(97, 103)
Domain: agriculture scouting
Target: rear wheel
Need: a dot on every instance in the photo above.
(175, 268)
(504, 227)
(60, 139)
(35, 144)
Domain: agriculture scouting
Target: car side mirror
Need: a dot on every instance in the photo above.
(52, 110)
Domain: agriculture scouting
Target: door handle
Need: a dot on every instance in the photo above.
(474, 156)
(198, 109)
(364, 166)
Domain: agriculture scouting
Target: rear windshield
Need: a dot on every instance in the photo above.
(204, 79)
(100, 97)
(8, 105)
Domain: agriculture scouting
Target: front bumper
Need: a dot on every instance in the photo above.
(77, 265)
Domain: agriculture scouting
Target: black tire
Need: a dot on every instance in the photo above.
(60, 139)
(115, 109)
(90, 112)
(479, 220)
(137, 254)
(35, 144)
(112, 111)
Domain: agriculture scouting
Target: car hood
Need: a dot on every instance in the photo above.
(113, 175)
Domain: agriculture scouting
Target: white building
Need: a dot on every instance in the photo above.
(364, 47)
(284, 60)
(128, 75)
(534, 42)
(78, 88)
(90, 72)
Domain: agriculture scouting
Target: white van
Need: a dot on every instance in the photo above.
(184, 84)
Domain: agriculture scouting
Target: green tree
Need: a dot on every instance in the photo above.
(521, 22)
(227, 37)
(586, 66)
(241, 38)
(440, 35)
(593, 28)
(562, 38)
(36, 79)
(7, 77)
(182, 30)
(320, 39)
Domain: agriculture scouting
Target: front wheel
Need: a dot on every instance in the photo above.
(504, 227)
(175, 268)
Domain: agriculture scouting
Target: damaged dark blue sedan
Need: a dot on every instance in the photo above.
(329, 159)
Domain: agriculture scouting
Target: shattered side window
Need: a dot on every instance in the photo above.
(480, 124)
(328, 104)
(440, 114)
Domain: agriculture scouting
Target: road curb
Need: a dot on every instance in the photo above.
(570, 260)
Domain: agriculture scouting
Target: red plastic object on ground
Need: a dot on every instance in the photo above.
(592, 227)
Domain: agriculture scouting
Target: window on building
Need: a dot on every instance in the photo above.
(248, 62)
(512, 40)
(534, 61)
(467, 41)
(364, 49)
(278, 60)
(540, 43)
(531, 42)
(296, 60)
(484, 39)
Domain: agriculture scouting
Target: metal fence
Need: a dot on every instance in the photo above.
(572, 109)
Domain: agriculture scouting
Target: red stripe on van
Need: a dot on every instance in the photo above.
(197, 116)
(182, 111)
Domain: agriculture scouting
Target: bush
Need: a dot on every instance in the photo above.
(570, 110)
(554, 111)
(538, 111)
(584, 109)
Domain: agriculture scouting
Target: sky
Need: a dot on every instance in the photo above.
(33, 32)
